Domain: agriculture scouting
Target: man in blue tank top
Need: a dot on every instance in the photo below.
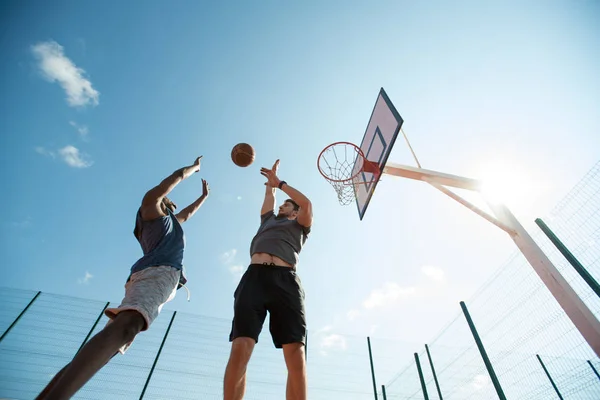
(153, 281)
(271, 284)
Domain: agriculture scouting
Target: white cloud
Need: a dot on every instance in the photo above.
(74, 158)
(387, 294)
(239, 197)
(333, 341)
(22, 224)
(324, 329)
(435, 273)
(228, 256)
(56, 67)
(237, 270)
(86, 279)
(81, 129)
(45, 152)
(352, 314)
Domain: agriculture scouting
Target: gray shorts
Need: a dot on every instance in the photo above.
(146, 292)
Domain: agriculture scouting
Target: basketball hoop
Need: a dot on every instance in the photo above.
(341, 163)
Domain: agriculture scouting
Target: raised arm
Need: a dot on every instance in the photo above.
(305, 215)
(269, 202)
(151, 202)
(190, 210)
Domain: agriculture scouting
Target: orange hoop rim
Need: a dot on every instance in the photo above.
(366, 163)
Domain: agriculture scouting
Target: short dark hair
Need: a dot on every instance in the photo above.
(296, 206)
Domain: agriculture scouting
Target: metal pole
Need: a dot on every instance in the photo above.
(20, 315)
(421, 378)
(593, 369)
(383, 392)
(578, 312)
(549, 377)
(437, 385)
(306, 348)
(93, 327)
(372, 367)
(483, 353)
(587, 277)
(576, 309)
(157, 355)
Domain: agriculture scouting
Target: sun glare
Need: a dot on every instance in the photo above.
(503, 182)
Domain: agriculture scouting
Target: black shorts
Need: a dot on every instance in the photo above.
(277, 290)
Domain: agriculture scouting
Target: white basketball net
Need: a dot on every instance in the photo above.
(340, 164)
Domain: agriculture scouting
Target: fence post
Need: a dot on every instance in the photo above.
(372, 368)
(593, 369)
(383, 392)
(421, 378)
(549, 377)
(157, 355)
(306, 347)
(437, 384)
(93, 327)
(483, 353)
(587, 277)
(20, 315)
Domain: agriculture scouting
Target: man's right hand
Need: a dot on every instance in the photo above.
(205, 188)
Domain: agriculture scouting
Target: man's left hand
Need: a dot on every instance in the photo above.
(271, 175)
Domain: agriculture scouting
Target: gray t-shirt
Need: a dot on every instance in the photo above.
(280, 237)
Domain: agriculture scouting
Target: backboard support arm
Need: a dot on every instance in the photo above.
(577, 311)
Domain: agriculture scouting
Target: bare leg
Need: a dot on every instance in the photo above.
(296, 366)
(94, 355)
(52, 383)
(235, 373)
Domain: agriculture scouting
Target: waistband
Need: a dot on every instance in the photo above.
(271, 267)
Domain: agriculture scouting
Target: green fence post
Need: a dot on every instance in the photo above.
(483, 353)
(157, 355)
(306, 347)
(549, 377)
(93, 327)
(383, 392)
(19, 317)
(593, 369)
(372, 368)
(587, 277)
(437, 385)
(421, 378)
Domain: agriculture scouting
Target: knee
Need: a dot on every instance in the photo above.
(295, 357)
(241, 350)
(127, 325)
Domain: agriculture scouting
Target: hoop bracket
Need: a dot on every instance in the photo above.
(371, 167)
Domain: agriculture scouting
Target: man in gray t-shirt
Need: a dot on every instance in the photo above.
(271, 284)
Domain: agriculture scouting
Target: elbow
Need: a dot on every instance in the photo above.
(307, 205)
(179, 175)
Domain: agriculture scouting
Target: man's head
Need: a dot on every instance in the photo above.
(167, 204)
(289, 209)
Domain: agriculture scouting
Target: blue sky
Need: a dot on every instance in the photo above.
(500, 86)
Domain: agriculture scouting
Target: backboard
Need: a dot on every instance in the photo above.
(378, 141)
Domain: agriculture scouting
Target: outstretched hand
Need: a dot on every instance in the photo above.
(205, 188)
(271, 175)
(197, 164)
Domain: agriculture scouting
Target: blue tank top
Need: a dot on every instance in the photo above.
(162, 241)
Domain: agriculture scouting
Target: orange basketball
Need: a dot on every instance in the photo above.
(242, 154)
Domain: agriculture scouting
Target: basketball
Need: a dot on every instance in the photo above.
(242, 154)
